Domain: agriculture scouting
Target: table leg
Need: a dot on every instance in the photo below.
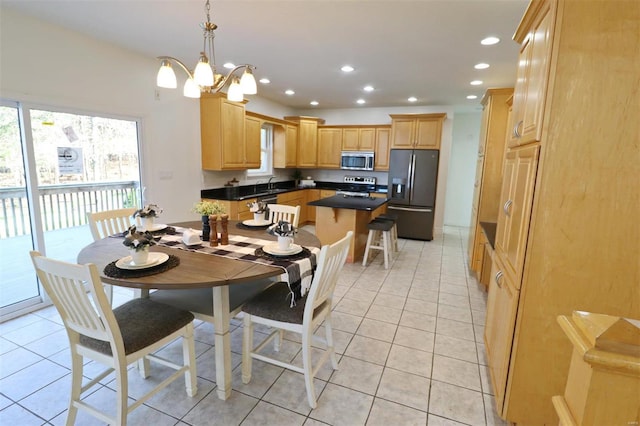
(221, 318)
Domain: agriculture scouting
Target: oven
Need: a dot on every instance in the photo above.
(357, 160)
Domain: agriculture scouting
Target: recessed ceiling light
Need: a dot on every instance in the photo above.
(314, 103)
(265, 81)
(347, 68)
(368, 88)
(481, 66)
(289, 92)
(489, 41)
(229, 65)
(361, 101)
(472, 97)
(412, 99)
(476, 82)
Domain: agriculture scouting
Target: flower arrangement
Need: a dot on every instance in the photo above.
(207, 208)
(282, 229)
(138, 240)
(150, 210)
(257, 207)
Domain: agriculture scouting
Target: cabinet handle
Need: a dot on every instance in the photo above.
(498, 277)
(506, 206)
(516, 131)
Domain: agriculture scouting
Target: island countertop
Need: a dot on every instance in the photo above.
(351, 203)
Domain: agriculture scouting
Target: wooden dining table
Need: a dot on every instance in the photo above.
(198, 271)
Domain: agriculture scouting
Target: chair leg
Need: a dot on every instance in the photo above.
(329, 337)
(76, 387)
(189, 357)
(366, 249)
(307, 335)
(277, 341)
(122, 390)
(385, 249)
(247, 348)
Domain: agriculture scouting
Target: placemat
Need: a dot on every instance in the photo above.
(300, 255)
(111, 270)
(241, 225)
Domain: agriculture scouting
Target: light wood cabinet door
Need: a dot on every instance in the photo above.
(427, 133)
(291, 140)
(252, 138)
(383, 136)
(367, 139)
(416, 131)
(350, 139)
(502, 307)
(531, 81)
(329, 147)
(514, 217)
(307, 144)
(326, 193)
(312, 195)
(285, 146)
(402, 133)
(222, 133)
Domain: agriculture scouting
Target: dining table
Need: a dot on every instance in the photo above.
(200, 271)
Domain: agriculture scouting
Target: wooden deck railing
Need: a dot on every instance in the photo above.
(63, 206)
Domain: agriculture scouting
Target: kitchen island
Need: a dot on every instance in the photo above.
(337, 215)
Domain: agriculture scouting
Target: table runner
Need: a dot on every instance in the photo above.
(298, 273)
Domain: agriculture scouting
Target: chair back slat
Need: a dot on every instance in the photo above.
(65, 285)
(109, 222)
(331, 260)
(279, 212)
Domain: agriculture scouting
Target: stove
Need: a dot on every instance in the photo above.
(357, 186)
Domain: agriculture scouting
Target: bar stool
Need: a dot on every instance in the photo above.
(379, 239)
(394, 229)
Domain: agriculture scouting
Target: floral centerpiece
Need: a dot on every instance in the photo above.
(138, 244)
(205, 209)
(258, 208)
(284, 231)
(147, 214)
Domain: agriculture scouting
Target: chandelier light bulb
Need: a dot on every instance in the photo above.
(248, 82)
(191, 89)
(235, 91)
(166, 77)
(203, 73)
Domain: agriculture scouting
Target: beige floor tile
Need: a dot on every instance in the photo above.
(421, 307)
(386, 413)
(377, 329)
(492, 417)
(459, 290)
(410, 360)
(358, 375)
(367, 349)
(459, 329)
(418, 320)
(383, 313)
(456, 372)
(361, 295)
(421, 294)
(345, 322)
(433, 420)
(416, 339)
(269, 414)
(456, 348)
(353, 307)
(456, 403)
(454, 300)
(289, 392)
(454, 313)
(214, 411)
(341, 406)
(390, 301)
(404, 388)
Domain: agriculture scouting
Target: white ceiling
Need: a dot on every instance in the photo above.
(421, 48)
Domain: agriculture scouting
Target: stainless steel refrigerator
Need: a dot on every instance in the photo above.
(413, 176)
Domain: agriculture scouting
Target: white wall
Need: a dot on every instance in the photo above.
(51, 66)
(462, 169)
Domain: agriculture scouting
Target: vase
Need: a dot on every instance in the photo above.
(206, 229)
(140, 256)
(147, 223)
(284, 243)
(258, 217)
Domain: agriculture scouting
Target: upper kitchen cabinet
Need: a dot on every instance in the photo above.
(307, 140)
(416, 131)
(285, 146)
(222, 129)
(329, 147)
(252, 130)
(534, 60)
(383, 136)
(358, 138)
(570, 193)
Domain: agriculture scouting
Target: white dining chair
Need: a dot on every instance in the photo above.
(278, 212)
(271, 308)
(115, 338)
(109, 222)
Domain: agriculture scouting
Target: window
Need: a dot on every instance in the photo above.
(266, 153)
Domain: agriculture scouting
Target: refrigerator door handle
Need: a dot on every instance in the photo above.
(412, 171)
(407, 209)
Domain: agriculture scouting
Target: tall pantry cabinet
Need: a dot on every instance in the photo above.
(568, 235)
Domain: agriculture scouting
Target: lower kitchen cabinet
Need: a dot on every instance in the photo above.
(296, 198)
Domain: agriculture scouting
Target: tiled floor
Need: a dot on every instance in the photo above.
(410, 353)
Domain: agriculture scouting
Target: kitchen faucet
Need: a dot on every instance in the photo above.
(269, 184)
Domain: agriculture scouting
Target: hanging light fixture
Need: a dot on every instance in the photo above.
(204, 77)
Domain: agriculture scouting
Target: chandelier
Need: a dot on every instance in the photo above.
(204, 78)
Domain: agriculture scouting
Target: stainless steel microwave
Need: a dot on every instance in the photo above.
(357, 160)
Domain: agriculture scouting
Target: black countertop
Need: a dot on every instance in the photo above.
(239, 193)
(489, 229)
(351, 203)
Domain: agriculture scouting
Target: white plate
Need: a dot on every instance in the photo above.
(274, 250)
(154, 260)
(155, 227)
(252, 222)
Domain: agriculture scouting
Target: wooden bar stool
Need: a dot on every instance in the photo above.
(394, 229)
(379, 239)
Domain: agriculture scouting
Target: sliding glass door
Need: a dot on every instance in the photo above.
(71, 164)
